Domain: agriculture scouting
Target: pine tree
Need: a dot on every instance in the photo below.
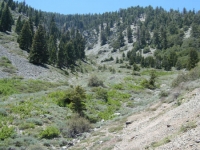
(31, 26)
(121, 39)
(71, 58)
(10, 2)
(61, 55)
(52, 50)
(39, 52)
(18, 25)
(79, 46)
(129, 35)
(78, 100)
(25, 38)
(103, 38)
(53, 28)
(193, 59)
(6, 20)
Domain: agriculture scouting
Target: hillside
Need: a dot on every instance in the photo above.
(119, 80)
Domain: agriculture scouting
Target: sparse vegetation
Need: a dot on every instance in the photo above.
(162, 142)
(188, 126)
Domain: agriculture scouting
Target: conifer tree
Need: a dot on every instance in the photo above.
(10, 2)
(79, 46)
(25, 38)
(71, 58)
(18, 25)
(31, 26)
(39, 52)
(103, 38)
(129, 35)
(52, 50)
(121, 39)
(6, 20)
(193, 59)
(53, 28)
(61, 55)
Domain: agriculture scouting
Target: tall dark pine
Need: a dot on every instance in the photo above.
(31, 26)
(79, 46)
(18, 25)
(71, 57)
(62, 56)
(39, 52)
(103, 38)
(121, 39)
(6, 20)
(25, 38)
(53, 28)
(129, 35)
(52, 50)
(193, 59)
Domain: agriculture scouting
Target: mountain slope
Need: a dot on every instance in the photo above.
(162, 126)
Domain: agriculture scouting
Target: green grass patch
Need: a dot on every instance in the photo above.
(5, 62)
(188, 126)
(24, 109)
(17, 86)
(157, 72)
(162, 142)
(49, 133)
(114, 94)
(134, 87)
(7, 65)
(6, 132)
(119, 86)
(129, 78)
(115, 129)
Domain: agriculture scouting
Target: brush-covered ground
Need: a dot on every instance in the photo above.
(165, 116)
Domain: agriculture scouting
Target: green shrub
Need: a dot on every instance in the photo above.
(50, 132)
(164, 94)
(151, 82)
(119, 86)
(74, 99)
(35, 121)
(95, 82)
(77, 125)
(3, 112)
(146, 50)
(26, 126)
(136, 67)
(102, 94)
(130, 104)
(6, 132)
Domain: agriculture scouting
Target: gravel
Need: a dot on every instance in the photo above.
(28, 70)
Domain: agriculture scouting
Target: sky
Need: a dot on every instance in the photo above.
(101, 6)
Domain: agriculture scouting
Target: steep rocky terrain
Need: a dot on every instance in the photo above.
(161, 126)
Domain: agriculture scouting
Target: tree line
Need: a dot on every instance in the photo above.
(161, 30)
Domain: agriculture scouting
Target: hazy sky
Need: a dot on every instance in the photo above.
(100, 6)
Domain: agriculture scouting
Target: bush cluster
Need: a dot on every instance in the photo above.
(94, 81)
(50, 132)
(6, 132)
(77, 125)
